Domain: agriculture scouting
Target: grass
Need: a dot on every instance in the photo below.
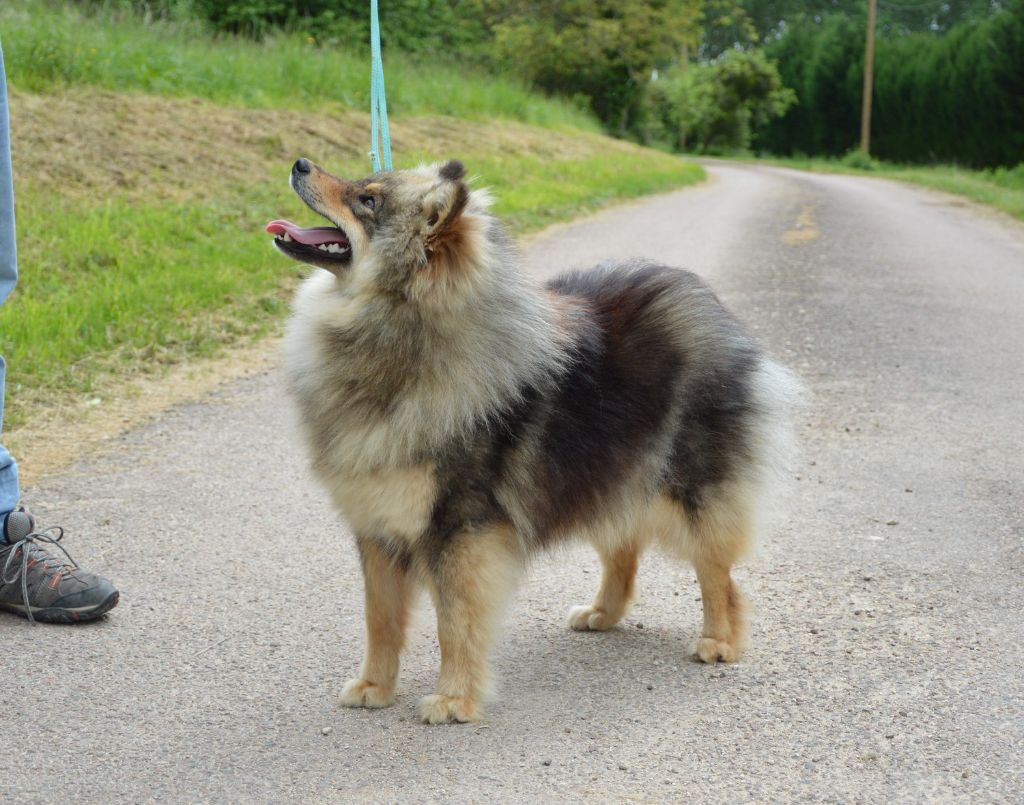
(123, 286)
(51, 45)
(115, 286)
(540, 192)
(120, 287)
(1002, 188)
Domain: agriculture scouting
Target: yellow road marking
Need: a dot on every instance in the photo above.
(804, 230)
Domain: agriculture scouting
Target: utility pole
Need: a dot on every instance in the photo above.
(869, 70)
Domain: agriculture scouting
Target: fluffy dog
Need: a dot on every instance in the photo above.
(462, 418)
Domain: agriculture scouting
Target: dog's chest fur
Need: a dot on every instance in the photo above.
(372, 462)
(382, 397)
(386, 504)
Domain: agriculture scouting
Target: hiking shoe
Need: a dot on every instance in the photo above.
(42, 585)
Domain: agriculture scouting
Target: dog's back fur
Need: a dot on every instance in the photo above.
(463, 417)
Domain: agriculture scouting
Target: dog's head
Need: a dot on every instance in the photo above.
(406, 232)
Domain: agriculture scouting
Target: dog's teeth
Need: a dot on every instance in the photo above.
(286, 238)
(334, 248)
(322, 247)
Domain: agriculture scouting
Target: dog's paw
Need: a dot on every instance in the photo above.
(588, 619)
(438, 709)
(710, 650)
(363, 693)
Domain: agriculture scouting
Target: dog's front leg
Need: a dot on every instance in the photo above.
(471, 577)
(389, 590)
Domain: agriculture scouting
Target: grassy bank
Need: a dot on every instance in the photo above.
(1002, 188)
(119, 287)
(51, 45)
(140, 226)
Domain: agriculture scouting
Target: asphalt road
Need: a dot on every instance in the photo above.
(887, 650)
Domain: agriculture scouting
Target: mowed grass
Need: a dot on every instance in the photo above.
(49, 45)
(121, 287)
(1002, 188)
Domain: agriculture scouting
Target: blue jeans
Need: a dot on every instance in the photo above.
(8, 276)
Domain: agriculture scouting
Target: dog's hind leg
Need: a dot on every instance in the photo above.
(615, 592)
(720, 536)
(389, 592)
(470, 579)
(724, 636)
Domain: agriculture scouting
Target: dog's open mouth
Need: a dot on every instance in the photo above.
(318, 244)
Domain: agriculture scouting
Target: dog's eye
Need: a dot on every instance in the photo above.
(368, 201)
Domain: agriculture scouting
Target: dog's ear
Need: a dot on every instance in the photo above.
(452, 170)
(443, 208)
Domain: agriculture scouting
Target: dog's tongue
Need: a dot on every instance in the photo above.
(313, 236)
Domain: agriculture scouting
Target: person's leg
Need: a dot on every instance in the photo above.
(8, 275)
(8, 468)
(61, 592)
(8, 248)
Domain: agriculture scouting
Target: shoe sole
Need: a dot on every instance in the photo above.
(64, 615)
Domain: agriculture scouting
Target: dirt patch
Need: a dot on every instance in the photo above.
(90, 143)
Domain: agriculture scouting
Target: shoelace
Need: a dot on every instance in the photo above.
(21, 568)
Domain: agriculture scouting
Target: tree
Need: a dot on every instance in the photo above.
(957, 96)
(604, 50)
(716, 106)
(742, 24)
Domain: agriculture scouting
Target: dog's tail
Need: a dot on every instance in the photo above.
(777, 396)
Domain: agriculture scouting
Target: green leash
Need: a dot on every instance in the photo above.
(380, 137)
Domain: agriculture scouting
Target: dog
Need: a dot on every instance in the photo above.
(463, 417)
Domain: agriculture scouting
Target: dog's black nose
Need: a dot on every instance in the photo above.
(301, 166)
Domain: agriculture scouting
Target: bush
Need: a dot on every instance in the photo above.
(1012, 178)
(603, 49)
(715, 107)
(415, 26)
(858, 160)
